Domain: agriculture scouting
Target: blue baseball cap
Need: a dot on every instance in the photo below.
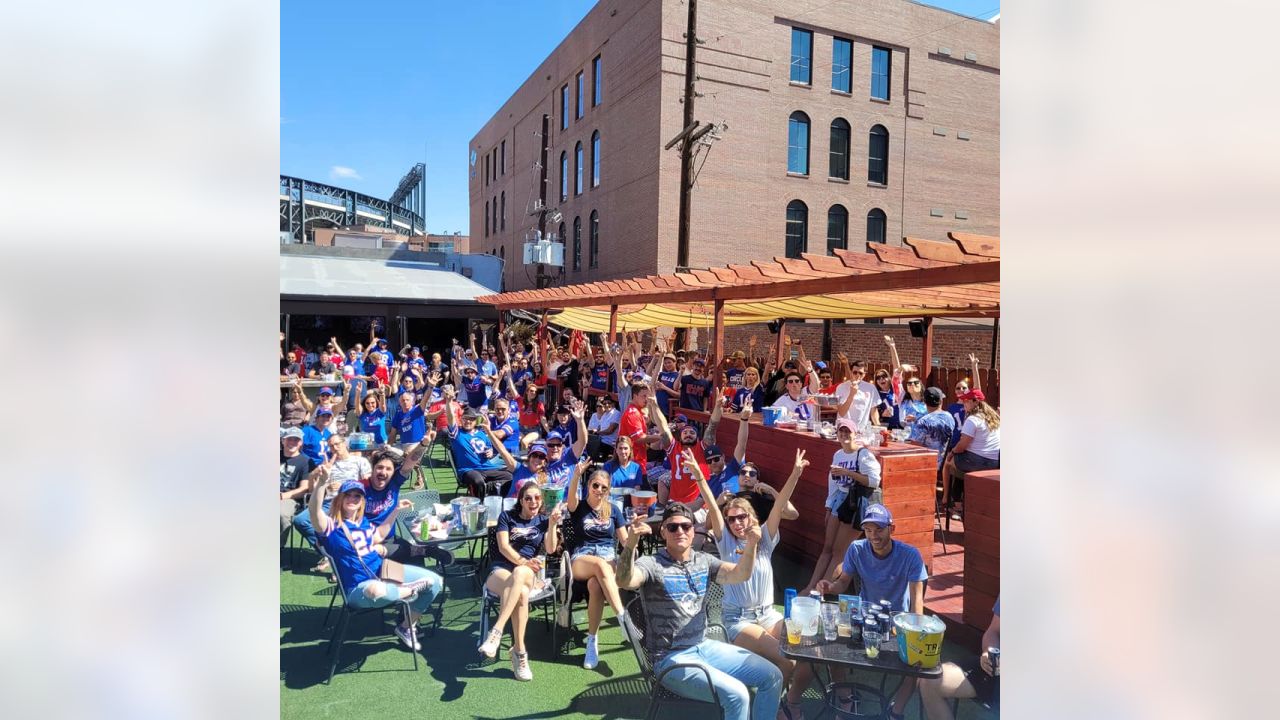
(323, 411)
(380, 341)
(540, 448)
(555, 435)
(681, 418)
(820, 365)
(713, 450)
(326, 391)
(878, 514)
(350, 485)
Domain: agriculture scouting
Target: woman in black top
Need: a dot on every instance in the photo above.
(523, 533)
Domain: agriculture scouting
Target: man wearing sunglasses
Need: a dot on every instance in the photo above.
(723, 479)
(672, 585)
(681, 486)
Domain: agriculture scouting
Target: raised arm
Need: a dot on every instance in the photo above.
(627, 576)
(496, 442)
(781, 500)
(302, 395)
(713, 423)
(973, 364)
(317, 480)
(744, 427)
(657, 418)
(578, 410)
(425, 402)
(715, 521)
(734, 573)
(571, 495)
(552, 538)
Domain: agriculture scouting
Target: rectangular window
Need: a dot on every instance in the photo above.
(801, 56)
(486, 169)
(503, 155)
(486, 218)
(564, 107)
(597, 77)
(841, 54)
(880, 63)
(581, 100)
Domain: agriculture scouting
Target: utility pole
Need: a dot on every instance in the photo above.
(686, 149)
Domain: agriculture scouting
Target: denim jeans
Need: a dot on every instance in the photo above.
(733, 670)
(356, 598)
(302, 521)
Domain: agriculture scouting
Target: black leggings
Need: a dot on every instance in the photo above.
(484, 482)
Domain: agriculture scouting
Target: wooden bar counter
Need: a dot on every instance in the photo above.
(908, 474)
(981, 546)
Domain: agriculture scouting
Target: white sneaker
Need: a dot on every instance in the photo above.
(593, 654)
(563, 615)
(489, 647)
(520, 666)
(408, 636)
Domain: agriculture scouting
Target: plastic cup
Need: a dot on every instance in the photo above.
(830, 619)
(793, 631)
(871, 643)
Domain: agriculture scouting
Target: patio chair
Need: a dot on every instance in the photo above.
(344, 619)
(546, 598)
(571, 589)
(634, 625)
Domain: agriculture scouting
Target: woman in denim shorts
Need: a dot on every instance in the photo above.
(750, 617)
(597, 526)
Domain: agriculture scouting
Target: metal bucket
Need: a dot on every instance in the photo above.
(919, 639)
(458, 506)
(473, 518)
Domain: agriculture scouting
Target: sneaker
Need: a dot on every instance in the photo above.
(520, 666)
(563, 615)
(489, 647)
(322, 566)
(593, 654)
(412, 588)
(408, 636)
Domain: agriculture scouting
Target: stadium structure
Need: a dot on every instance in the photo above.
(306, 205)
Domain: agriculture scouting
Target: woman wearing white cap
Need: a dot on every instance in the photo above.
(357, 551)
(854, 480)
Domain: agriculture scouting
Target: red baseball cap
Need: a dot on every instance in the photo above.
(974, 394)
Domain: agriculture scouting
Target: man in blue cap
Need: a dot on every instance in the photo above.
(315, 435)
(887, 569)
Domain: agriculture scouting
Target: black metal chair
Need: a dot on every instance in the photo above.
(571, 589)
(634, 625)
(344, 619)
(546, 598)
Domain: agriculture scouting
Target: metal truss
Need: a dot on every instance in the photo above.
(308, 204)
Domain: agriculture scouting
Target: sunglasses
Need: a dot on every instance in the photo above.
(750, 473)
(796, 381)
(740, 517)
(530, 498)
(553, 446)
(679, 527)
(913, 382)
(714, 458)
(599, 486)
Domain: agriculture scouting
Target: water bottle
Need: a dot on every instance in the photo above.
(788, 595)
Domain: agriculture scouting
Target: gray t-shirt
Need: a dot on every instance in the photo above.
(674, 599)
(758, 589)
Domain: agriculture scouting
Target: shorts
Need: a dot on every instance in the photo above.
(986, 687)
(736, 619)
(836, 499)
(850, 512)
(967, 462)
(602, 551)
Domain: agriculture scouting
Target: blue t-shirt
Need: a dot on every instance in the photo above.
(569, 431)
(733, 377)
(885, 578)
(520, 378)
(624, 477)
(600, 376)
(378, 504)
(473, 451)
(558, 472)
(726, 479)
(474, 390)
(740, 397)
(664, 398)
(373, 422)
(524, 536)
(907, 407)
(888, 400)
(956, 410)
(512, 426)
(934, 431)
(354, 558)
(411, 425)
(593, 529)
(693, 392)
(315, 443)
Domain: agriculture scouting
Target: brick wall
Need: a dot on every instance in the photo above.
(951, 344)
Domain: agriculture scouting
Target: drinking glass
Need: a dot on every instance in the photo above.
(830, 618)
(793, 631)
(871, 643)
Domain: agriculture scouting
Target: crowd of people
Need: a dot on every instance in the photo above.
(590, 419)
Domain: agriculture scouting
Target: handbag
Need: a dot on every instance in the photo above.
(391, 570)
(859, 497)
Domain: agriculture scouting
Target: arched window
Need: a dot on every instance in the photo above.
(577, 167)
(837, 229)
(563, 238)
(486, 218)
(593, 247)
(502, 252)
(495, 216)
(878, 155)
(875, 226)
(503, 215)
(577, 244)
(798, 143)
(839, 149)
(595, 158)
(564, 176)
(797, 228)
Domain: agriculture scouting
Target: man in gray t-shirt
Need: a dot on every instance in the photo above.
(672, 585)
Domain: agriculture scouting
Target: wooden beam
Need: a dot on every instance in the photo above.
(613, 328)
(926, 363)
(717, 346)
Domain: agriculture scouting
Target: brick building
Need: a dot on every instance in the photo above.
(843, 122)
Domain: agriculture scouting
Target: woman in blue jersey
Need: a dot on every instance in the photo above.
(750, 618)
(523, 534)
(373, 414)
(624, 471)
(751, 392)
(597, 527)
(356, 547)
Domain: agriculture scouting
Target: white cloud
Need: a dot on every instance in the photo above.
(338, 171)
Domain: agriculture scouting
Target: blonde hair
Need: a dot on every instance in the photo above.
(606, 505)
(987, 413)
(335, 510)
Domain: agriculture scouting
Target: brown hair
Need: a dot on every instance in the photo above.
(742, 504)
(987, 413)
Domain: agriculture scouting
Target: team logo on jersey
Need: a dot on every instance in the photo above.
(686, 589)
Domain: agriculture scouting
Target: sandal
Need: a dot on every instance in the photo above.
(321, 567)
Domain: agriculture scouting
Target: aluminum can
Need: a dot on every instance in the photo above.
(994, 654)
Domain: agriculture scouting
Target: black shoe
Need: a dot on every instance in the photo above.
(439, 554)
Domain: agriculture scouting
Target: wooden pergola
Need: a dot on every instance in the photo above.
(922, 279)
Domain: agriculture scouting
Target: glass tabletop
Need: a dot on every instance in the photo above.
(840, 652)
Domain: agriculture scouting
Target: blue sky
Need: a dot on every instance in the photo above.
(369, 88)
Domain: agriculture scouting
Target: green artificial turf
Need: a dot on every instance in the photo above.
(375, 675)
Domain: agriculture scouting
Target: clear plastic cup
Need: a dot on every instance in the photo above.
(871, 643)
(830, 619)
(793, 631)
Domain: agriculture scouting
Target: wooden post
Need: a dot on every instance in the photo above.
(778, 346)
(717, 347)
(613, 324)
(926, 362)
